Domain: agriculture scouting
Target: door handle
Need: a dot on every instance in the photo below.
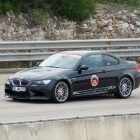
(103, 71)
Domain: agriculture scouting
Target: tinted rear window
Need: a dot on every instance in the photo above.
(109, 60)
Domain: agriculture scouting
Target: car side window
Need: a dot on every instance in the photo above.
(93, 61)
(109, 60)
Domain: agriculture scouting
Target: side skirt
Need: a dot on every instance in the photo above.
(91, 92)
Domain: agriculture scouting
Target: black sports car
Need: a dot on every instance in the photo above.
(75, 73)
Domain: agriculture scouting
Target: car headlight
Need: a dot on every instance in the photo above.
(41, 82)
(8, 82)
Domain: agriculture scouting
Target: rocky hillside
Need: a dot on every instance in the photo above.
(109, 21)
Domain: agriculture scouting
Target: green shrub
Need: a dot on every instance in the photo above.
(17, 6)
(35, 4)
(132, 2)
(25, 7)
(128, 2)
(38, 16)
(10, 5)
(76, 10)
(1, 8)
(7, 6)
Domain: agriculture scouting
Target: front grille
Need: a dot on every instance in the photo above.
(14, 94)
(21, 82)
(16, 81)
(19, 94)
(24, 82)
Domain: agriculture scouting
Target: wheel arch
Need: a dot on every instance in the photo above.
(54, 97)
(130, 77)
(69, 85)
(119, 94)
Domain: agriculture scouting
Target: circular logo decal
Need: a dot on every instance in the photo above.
(94, 80)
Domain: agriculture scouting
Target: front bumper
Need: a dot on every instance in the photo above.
(32, 92)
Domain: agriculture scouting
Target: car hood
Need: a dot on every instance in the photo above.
(38, 73)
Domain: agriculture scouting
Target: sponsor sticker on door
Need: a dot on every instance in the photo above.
(94, 80)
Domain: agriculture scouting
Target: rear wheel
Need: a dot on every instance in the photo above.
(124, 88)
(60, 92)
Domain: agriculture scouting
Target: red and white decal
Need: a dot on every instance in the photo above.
(70, 55)
(94, 80)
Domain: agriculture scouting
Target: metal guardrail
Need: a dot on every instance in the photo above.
(122, 48)
(30, 45)
(24, 56)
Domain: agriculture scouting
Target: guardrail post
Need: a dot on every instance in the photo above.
(30, 61)
(31, 64)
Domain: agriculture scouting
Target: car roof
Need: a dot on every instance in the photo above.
(81, 52)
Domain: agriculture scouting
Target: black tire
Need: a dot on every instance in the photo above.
(60, 92)
(15, 99)
(125, 88)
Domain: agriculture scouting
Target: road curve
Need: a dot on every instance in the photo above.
(24, 110)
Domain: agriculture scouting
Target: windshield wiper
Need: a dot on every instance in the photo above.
(52, 66)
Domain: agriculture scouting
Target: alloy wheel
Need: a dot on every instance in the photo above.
(125, 87)
(61, 92)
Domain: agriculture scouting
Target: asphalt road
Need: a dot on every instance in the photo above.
(24, 110)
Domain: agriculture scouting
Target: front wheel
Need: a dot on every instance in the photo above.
(60, 92)
(124, 88)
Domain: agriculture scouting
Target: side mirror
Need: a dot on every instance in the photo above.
(83, 67)
(38, 63)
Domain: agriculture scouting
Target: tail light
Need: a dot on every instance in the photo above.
(137, 69)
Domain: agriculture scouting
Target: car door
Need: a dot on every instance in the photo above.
(112, 69)
(92, 80)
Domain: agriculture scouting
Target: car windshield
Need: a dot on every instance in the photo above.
(66, 61)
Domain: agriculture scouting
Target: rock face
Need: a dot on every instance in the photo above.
(105, 23)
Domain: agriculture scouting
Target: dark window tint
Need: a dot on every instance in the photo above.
(109, 60)
(93, 61)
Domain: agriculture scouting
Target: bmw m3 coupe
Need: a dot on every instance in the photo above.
(75, 73)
